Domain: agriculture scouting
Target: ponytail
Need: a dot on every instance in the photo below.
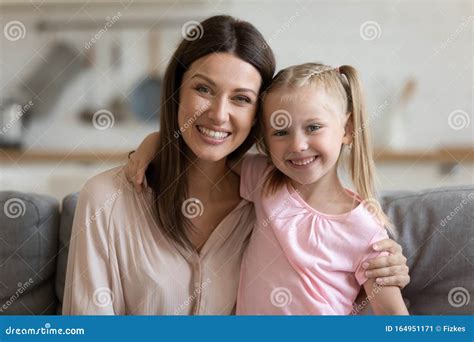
(362, 168)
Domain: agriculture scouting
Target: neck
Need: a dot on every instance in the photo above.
(206, 176)
(327, 194)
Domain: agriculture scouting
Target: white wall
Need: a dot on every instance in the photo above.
(428, 40)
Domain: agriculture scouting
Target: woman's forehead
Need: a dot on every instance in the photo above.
(226, 70)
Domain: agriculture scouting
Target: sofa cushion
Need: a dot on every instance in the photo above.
(28, 247)
(436, 230)
(67, 216)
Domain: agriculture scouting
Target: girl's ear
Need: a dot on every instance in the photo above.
(348, 130)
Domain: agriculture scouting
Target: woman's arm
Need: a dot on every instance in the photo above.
(385, 300)
(390, 270)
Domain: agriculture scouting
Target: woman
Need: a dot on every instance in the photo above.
(176, 248)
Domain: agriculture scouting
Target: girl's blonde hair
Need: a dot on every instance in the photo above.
(343, 84)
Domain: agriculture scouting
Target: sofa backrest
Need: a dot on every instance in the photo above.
(29, 227)
(436, 230)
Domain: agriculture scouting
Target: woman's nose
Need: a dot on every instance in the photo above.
(219, 111)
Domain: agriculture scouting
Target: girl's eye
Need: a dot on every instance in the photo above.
(279, 133)
(313, 128)
(244, 99)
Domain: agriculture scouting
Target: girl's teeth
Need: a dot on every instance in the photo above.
(213, 134)
(303, 162)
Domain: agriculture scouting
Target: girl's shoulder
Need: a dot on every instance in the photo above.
(256, 165)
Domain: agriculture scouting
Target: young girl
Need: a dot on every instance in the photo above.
(312, 235)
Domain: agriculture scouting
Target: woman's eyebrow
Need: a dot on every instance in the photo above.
(246, 89)
(211, 82)
(205, 78)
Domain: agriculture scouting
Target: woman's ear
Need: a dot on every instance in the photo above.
(348, 130)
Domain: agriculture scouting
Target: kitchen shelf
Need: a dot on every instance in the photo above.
(448, 155)
(442, 155)
(34, 156)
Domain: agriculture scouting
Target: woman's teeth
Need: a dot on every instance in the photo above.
(301, 162)
(213, 134)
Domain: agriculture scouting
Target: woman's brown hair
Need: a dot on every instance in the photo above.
(167, 173)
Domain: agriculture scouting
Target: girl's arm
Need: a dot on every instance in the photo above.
(140, 159)
(385, 300)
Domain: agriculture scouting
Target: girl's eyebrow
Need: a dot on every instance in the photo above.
(212, 83)
(315, 118)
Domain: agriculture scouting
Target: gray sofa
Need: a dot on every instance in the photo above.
(435, 228)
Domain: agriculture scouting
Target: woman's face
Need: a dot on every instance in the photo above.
(217, 104)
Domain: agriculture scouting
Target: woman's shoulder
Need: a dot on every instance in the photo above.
(106, 186)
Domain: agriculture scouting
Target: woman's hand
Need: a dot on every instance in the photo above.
(140, 159)
(391, 269)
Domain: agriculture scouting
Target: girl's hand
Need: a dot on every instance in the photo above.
(388, 270)
(140, 159)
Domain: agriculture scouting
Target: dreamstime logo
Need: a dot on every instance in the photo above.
(192, 30)
(458, 120)
(457, 209)
(101, 32)
(375, 114)
(281, 297)
(277, 211)
(280, 119)
(192, 207)
(103, 296)
(370, 30)
(107, 204)
(192, 297)
(19, 111)
(282, 29)
(458, 296)
(197, 113)
(22, 287)
(14, 208)
(453, 36)
(357, 307)
(14, 30)
(103, 119)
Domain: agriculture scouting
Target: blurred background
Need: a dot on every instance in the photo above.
(80, 80)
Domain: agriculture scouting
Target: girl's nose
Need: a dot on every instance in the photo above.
(218, 111)
(299, 143)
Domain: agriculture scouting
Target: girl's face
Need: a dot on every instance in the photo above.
(217, 106)
(304, 132)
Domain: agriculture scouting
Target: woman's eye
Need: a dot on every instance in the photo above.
(313, 128)
(203, 89)
(243, 99)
